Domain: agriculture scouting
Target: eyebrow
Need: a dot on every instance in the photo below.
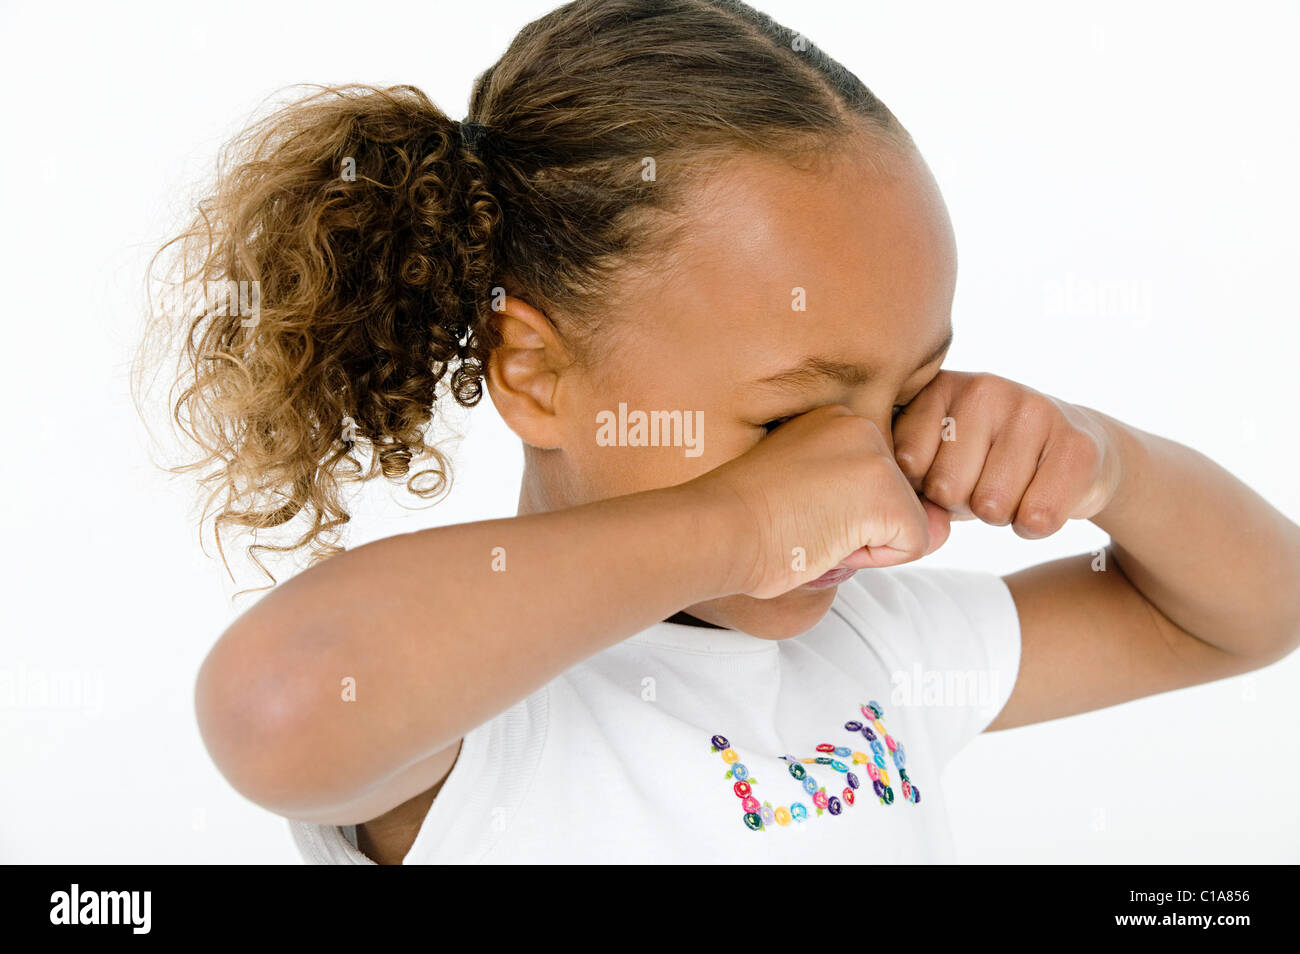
(813, 370)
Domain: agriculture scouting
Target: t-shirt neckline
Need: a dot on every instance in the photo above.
(703, 639)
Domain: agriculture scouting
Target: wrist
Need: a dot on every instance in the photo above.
(719, 525)
(1127, 460)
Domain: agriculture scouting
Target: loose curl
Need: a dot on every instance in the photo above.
(369, 232)
(368, 240)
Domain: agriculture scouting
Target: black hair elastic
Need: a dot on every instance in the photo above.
(472, 136)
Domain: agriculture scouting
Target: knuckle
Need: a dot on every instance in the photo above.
(988, 383)
(983, 394)
(941, 488)
(991, 508)
(1038, 519)
(906, 456)
(1029, 410)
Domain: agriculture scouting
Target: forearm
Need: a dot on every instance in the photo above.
(1202, 547)
(440, 630)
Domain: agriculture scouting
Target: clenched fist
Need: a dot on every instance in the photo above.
(981, 446)
(821, 493)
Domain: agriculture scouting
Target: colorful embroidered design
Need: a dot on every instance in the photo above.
(760, 816)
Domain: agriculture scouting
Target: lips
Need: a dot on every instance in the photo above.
(832, 577)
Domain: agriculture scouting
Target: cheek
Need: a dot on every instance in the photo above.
(625, 449)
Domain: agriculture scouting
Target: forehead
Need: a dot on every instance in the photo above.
(865, 245)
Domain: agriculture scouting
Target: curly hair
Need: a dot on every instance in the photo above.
(347, 258)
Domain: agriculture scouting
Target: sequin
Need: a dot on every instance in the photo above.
(758, 816)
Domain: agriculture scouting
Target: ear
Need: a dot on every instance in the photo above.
(524, 371)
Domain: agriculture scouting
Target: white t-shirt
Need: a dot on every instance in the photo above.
(687, 744)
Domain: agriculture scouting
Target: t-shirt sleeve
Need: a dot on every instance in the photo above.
(951, 640)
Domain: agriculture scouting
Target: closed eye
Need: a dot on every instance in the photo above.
(773, 424)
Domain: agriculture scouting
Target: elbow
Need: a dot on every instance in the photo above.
(1273, 644)
(1284, 643)
(260, 726)
(1284, 637)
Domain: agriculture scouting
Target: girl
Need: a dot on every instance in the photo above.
(706, 277)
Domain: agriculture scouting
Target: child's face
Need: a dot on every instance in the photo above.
(841, 264)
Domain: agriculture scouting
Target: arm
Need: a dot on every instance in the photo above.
(437, 642)
(1202, 576)
(1202, 582)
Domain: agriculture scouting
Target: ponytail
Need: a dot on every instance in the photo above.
(364, 226)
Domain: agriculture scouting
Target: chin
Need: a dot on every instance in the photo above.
(781, 617)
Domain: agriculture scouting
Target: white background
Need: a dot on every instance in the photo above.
(1147, 148)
